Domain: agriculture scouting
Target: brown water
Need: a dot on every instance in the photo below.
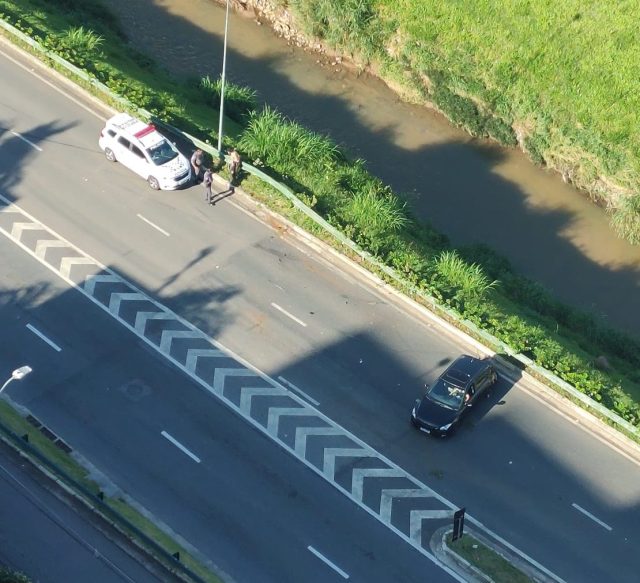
(470, 190)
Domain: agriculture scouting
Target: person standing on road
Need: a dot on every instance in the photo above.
(207, 179)
(196, 164)
(235, 165)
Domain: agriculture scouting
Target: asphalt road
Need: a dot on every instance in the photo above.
(40, 524)
(519, 467)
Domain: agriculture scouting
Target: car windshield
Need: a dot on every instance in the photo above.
(162, 153)
(447, 394)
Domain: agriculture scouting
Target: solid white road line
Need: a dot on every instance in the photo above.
(43, 337)
(180, 446)
(297, 390)
(17, 135)
(592, 517)
(328, 562)
(153, 225)
(277, 307)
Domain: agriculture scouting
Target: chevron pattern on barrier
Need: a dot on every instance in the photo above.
(383, 489)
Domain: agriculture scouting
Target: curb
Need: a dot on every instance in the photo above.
(471, 573)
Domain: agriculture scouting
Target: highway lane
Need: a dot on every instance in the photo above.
(222, 271)
(47, 535)
(245, 504)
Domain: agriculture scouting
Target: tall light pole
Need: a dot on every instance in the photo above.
(17, 375)
(224, 70)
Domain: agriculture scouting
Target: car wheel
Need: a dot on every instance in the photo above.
(153, 182)
(108, 152)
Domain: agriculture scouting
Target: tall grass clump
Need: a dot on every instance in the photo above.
(626, 219)
(373, 214)
(239, 101)
(459, 282)
(79, 45)
(286, 146)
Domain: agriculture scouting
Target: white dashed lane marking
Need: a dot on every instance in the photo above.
(43, 337)
(592, 517)
(154, 225)
(181, 447)
(277, 307)
(328, 562)
(17, 135)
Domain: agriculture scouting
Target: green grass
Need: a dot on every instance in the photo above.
(487, 560)
(559, 76)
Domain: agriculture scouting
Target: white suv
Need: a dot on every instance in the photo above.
(141, 148)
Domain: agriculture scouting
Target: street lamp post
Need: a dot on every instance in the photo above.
(223, 79)
(17, 375)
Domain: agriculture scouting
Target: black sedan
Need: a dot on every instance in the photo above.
(445, 404)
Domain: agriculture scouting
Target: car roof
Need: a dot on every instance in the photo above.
(462, 369)
(145, 133)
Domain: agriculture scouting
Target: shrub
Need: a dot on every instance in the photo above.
(457, 281)
(286, 146)
(78, 45)
(239, 101)
(375, 213)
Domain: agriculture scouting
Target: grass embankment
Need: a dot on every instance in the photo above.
(473, 281)
(486, 560)
(560, 78)
(70, 472)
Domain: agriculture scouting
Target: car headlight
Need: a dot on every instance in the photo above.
(413, 412)
(446, 427)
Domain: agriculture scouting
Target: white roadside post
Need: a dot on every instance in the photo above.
(17, 375)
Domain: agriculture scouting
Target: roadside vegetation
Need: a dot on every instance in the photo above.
(486, 560)
(474, 282)
(558, 78)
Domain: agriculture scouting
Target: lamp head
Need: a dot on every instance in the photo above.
(21, 372)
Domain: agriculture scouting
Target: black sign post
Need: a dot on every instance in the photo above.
(458, 524)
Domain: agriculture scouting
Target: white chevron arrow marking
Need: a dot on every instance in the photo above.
(142, 317)
(221, 374)
(415, 522)
(118, 297)
(303, 432)
(248, 393)
(193, 354)
(386, 499)
(168, 336)
(273, 420)
(10, 208)
(92, 280)
(18, 228)
(43, 244)
(331, 453)
(359, 474)
(68, 262)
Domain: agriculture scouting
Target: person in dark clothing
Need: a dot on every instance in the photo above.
(207, 179)
(196, 164)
